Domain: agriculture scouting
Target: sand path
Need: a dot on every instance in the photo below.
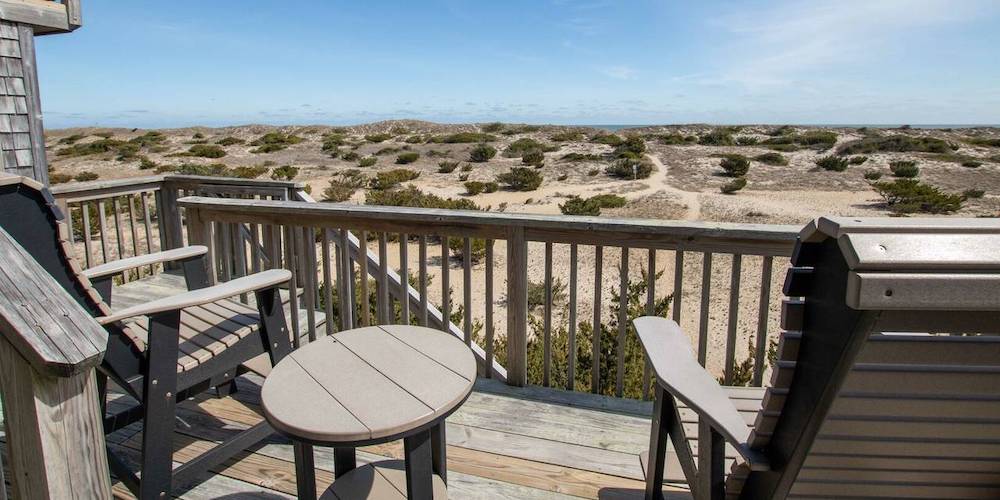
(658, 182)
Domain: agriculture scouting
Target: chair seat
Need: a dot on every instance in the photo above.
(205, 330)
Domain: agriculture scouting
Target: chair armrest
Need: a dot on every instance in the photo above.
(120, 265)
(673, 361)
(254, 282)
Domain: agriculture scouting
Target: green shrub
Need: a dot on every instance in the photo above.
(198, 135)
(567, 136)
(59, 178)
(95, 147)
(593, 172)
(784, 148)
(387, 151)
(633, 147)
(581, 157)
(415, 139)
(746, 140)
(614, 140)
(873, 175)
(482, 153)
(206, 151)
(735, 165)
(772, 159)
(520, 147)
(333, 141)
(407, 158)
(277, 138)
(477, 246)
(410, 196)
(822, 138)
(210, 170)
(473, 188)
(492, 128)
(146, 164)
(344, 185)
(491, 187)
(368, 161)
(537, 292)
(86, 176)
(71, 139)
(904, 168)
(972, 164)
(467, 168)
(378, 137)
(857, 160)
(677, 139)
(832, 163)
(734, 185)
(535, 158)
(148, 139)
(910, 195)
(462, 138)
(973, 193)
(285, 172)
(392, 178)
(251, 172)
(350, 156)
(717, 137)
(521, 179)
(447, 167)
(268, 148)
(229, 141)
(988, 142)
(628, 168)
(576, 205)
(894, 144)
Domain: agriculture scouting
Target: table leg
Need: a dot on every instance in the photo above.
(419, 469)
(344, 461)
(305, 471)
(439, 452)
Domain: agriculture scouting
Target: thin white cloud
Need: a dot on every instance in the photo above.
(620, 72)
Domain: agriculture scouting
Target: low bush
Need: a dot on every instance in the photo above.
(146, 164)
(832, 163)
(521, 179)
(96, 147)
(415, 139)
(576, 205)
(482, 153)
(277, 138)
(873, 175)
(447, 167)
(520, 147)
(973, 193)
(677, 139)
(535, 158)
(567, 136)
(86, 176)
(894, 144)
(368, 161)
(538, 291)
(987, 142)
(717, 137)
(735, 165)
(71, 139)
(784, 148)
(466, 168)
(333, 141)
(375, 138)
(593, 172)
(344, 185)
(148, 139)
(628, 168)
(910, 195)
(473, 188)
(251, 172)
(904, 168)
(492, 128)
(782, 130)
(230, 141)
(285, 173)
(581, 157)
(613, 140)
(477, 247)
(772, 159)
(59, 178)
(206, 151)
(733, 185)
(462, 138)
(198, 135)
(633, 147)
(857, 160)
(350, 156)
(817, 138)
(491, 187)
(407, 158)
(268, 148)
(972, 164)
(387, 151)
(747, 140)
(410, 196)
(392, 178)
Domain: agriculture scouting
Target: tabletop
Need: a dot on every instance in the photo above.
(368, 384)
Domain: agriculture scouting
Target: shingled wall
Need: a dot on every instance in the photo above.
(22, 143)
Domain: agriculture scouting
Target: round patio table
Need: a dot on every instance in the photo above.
(367, 386)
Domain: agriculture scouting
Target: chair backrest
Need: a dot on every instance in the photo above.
(29, 214)
(887, 382)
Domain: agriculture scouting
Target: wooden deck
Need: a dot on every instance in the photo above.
(505, 442)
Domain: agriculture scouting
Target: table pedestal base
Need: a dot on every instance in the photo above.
(383, 480)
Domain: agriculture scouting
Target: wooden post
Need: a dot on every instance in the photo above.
(517, 307)
(170, 218)
(49, 348)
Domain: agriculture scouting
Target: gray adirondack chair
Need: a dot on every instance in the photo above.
(887, 379)
(163, 351)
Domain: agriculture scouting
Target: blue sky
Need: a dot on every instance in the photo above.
(145, 63)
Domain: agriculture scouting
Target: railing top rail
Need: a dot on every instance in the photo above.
(82, 191)
(764, 239)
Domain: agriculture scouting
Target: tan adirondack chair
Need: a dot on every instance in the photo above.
(887, 379)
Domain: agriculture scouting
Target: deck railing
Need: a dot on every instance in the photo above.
(696, 273)
(469, 233)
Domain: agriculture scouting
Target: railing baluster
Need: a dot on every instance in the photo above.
(309, 246)
(144, 199)
(422, 255)
(347, 303)
(571, 355)
(734, 309)
(227, 250)
(383, 302)
(763, 307)
(255, 253)
(489, 309)
(85, 215)
(517, 307)
(547, 321)
(706, 295)
(445, 286)
(293, 290)
(404, 279)
(117, 213)
(103, 227)
(678, 285)
(131, 225)
(595, 370)
(467, 290)
(328, 281)
(366, 305)
(650, 311)
(622, 323)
